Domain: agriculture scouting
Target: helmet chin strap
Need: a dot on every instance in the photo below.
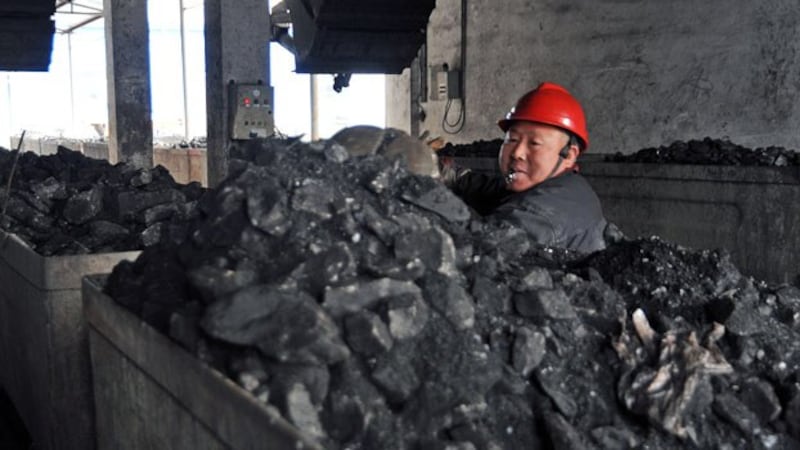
(562, 155)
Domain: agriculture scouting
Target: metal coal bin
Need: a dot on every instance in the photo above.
(752, 212)
(44, 357)
(151, 393)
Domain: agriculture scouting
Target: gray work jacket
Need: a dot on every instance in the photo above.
(560, 212)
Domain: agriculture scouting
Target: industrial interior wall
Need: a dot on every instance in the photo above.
(648, 72)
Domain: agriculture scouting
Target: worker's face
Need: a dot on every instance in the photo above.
(530, 150)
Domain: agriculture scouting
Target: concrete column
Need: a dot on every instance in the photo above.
(416, 95)
(130, 122)
(237, 50)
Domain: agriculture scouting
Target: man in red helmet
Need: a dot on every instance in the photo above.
(540, 190)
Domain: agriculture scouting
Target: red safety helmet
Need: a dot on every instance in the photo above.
(550, 104)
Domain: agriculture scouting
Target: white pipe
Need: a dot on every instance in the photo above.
(71, 87)
(314, 108)
(183, 74)
(10, 115)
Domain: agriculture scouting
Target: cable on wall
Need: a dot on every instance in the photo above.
(458, 125)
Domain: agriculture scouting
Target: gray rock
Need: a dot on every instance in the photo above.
(83, 206)
(734, 411)
(366, 334)
(544, 303)
(528, 350)
(760, 397)
(365, 295)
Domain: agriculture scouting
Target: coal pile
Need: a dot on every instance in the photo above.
(368, 306)
(196, 142)
(706, 151)
(477, 149)
(68, 204)
(710, 151)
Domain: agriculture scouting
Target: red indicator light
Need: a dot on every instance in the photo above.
(247, 101)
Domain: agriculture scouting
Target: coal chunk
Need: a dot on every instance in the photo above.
(450, 299)
(529, 350)
(435, 197)
(549, 303)
(733, 410)
(395, 375)
(354, 297)
(367, 334)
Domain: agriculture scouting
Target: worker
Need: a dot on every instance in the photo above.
(540, 189)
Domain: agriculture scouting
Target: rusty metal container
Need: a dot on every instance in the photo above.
(753, 212)
(151, 393)
(44, 357)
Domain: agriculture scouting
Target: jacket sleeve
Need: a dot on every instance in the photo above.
(481, 192)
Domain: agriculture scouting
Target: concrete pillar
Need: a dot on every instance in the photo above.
(417, 95)
(237, 50)
(130, 122)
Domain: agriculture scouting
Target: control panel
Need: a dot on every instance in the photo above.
(251, 111)
(445, 83)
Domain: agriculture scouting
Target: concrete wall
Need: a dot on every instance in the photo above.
(184, 164)
(648, 72)
(45, 146)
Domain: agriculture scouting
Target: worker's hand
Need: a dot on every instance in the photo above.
(449, 173)
(612, 234)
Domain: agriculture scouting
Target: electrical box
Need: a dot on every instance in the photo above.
(251, 111)
(453, 84)
(445, 83)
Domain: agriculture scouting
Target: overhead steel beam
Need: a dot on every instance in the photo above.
(63, 3)
(81, 24)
